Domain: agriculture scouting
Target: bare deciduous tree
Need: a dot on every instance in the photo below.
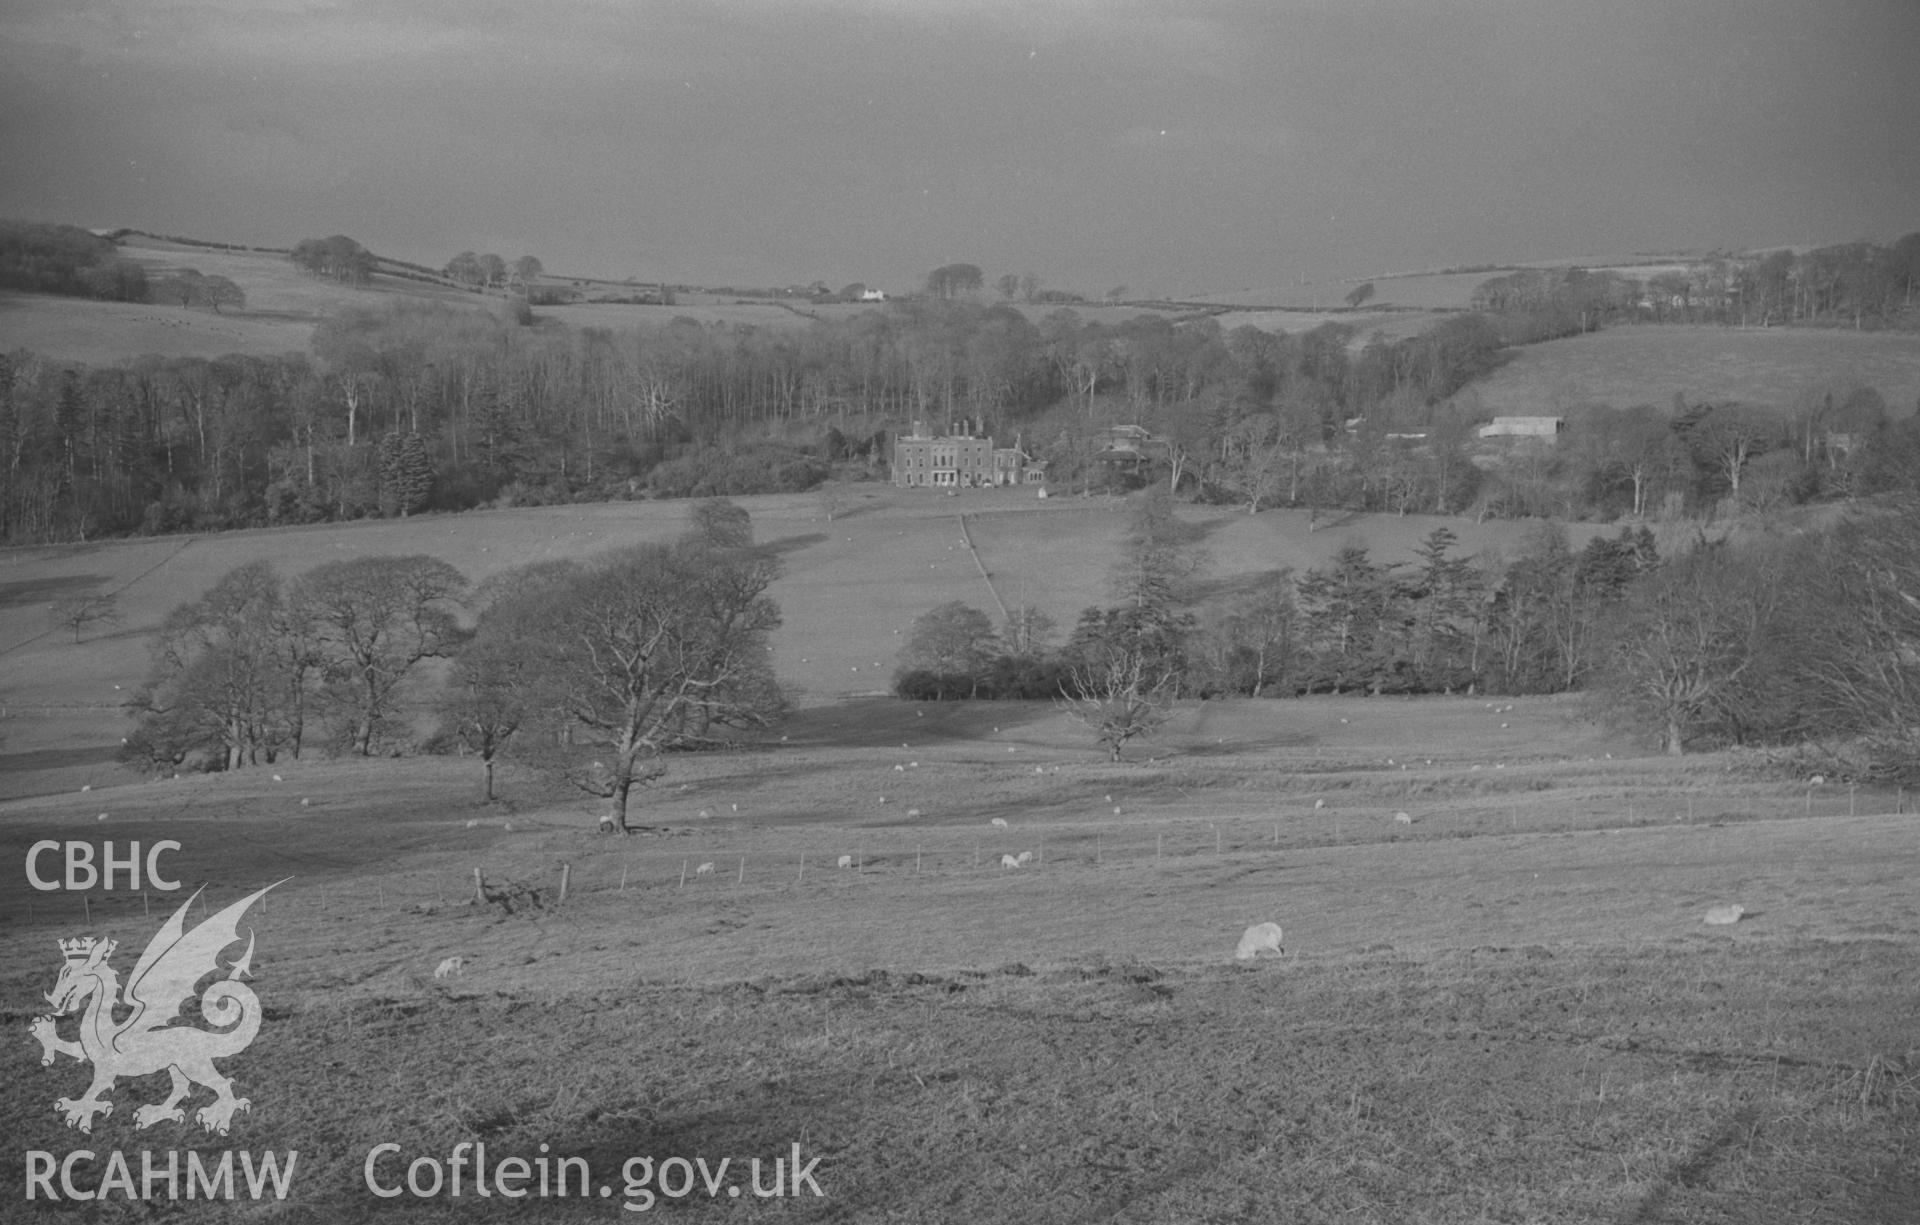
(78, 612)
(653, 650)
(373, 619)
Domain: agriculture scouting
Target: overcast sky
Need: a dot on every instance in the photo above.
(1174, 146)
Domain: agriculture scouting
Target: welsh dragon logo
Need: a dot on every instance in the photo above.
(147, 1039)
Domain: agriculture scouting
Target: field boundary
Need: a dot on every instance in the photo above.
(966, 538)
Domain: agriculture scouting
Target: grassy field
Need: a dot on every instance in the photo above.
(283, 304)
(1506, 1010)
(851, 591)
(1418, 291)
(1647, 365)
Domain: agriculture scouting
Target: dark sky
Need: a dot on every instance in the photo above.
(1176, 147)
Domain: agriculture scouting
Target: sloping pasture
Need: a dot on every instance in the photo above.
(1625, 366)
(851, 591)
(283, 304)
(1515, 1020)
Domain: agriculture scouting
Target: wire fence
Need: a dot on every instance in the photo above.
(545, 868)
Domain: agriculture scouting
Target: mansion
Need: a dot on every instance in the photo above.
(961, 459)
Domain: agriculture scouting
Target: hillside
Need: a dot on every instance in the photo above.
(1625, 366)
(283, 304)
(851, 591)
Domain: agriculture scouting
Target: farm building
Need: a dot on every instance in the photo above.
(1524, 427)
(1127, 447)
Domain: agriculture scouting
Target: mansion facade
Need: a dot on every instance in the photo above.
(961, 459)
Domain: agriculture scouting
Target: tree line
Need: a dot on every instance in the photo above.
(67, 260)
(486, 412)
(1854, 284)
(594, 670)
(1808, 644)
(489, 410)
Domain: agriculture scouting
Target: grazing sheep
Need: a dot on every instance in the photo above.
(846, 861)
(277, 779)
(1008, 861)
(1259, 937)
(1319, 803)
(1817, 780)
(1023, 858)
(913, 812)
(898, 768)
(1721, 915)
(1403, 818)
(998, 823)
(101, 817)
(450, 967)
(705, 869)
(303, 803)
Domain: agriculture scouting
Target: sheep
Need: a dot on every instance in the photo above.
(1256, 938)
(1319, 804)
(913, 812)
(998, 823)
(278, 779)
(1721, 915)
(898, 768)
(846, 861)
(1008, 861)
(101, 817)
(1023, 858)
(1403, 818)
(450, 967)
(705, 869)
